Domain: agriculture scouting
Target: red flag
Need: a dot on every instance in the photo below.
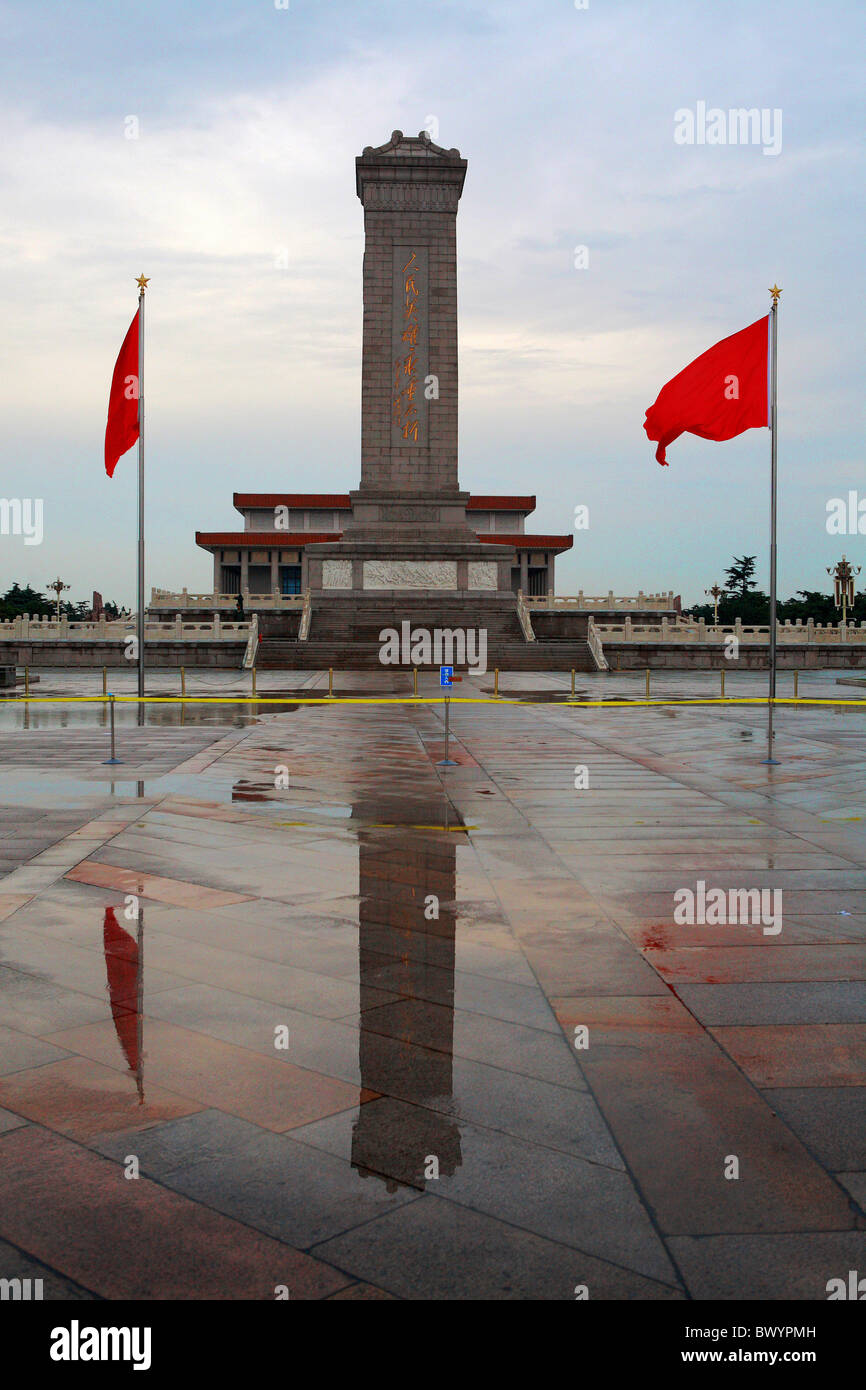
(121, 430)
(720, 394)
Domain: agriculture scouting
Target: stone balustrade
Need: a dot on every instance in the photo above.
(27, 629)
(164, 598)
(685, 630)
(640, 602)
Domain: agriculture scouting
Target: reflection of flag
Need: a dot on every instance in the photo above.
(121, 430)
(121, 965)
(720, 394)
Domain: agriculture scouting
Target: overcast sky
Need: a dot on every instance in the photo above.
(238, 200)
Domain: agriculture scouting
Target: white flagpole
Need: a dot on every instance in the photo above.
(142, 282)
(775, 292)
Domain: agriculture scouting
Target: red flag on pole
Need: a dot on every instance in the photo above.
(121, 430)
(719, 395)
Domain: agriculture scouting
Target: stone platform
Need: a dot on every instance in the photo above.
(345, 633)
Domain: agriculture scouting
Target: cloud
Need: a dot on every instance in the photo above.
(238, 199)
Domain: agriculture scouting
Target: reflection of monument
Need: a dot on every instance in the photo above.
(405, 875)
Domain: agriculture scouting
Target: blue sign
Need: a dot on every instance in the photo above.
(445, 675)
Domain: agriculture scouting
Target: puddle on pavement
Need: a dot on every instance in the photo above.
(14, 716)
(538, 697)
(404, 890)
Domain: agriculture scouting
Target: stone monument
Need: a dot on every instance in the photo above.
(408, 532)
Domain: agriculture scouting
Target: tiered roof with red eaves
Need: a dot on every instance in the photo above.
(339, 501)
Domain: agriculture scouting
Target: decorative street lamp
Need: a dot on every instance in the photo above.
(843, 585)
(715, 593)
(58, 586)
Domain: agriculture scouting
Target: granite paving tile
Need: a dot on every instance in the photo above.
(74, 1210)
(45, 1283)
(183, 894)
(825, 1054)
(830, 1120)
(778, 1267)
(680, 1111)
(20, 1051)
(276, 1095)
(81, 1098)
(840, 1001)
(287, 1190)
(434, 1249)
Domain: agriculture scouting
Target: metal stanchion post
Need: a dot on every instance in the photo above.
(415, 682)
(572, 682)
(446, 761)
(26, 682)
(723, 682)
(113, 758)
(183, 682)
(105, 680)
(330, 682)
(254, 682)
(647, 682)
(496, 683)
(796, 685)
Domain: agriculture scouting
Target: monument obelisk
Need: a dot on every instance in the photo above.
(408, 531)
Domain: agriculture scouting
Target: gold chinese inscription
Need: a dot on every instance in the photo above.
(407, 382)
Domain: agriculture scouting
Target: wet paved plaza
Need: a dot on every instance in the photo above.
(367, 1027)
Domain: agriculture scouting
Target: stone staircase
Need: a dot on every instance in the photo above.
(344, 634)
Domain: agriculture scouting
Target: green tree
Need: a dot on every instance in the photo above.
(740, 575)
(754, 608)
(17, 601)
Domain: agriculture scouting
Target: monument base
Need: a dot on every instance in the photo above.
(409, 543)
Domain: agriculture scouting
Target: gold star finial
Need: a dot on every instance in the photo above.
(142, 281)
(775, 292)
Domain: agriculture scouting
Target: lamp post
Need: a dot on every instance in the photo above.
(715, 593)
(843, 585)
(58, 587)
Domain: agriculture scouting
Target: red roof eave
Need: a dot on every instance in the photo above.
(273, 540)
(526, 542)
(337, 501)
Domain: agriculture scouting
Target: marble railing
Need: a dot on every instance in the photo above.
(685, 630)
(164, 598)
(26, 629)
(524, 618)
(252, 647)
(640, 602)
(595, 646)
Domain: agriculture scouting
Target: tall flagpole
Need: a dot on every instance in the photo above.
(142, 282)
(771, 696)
